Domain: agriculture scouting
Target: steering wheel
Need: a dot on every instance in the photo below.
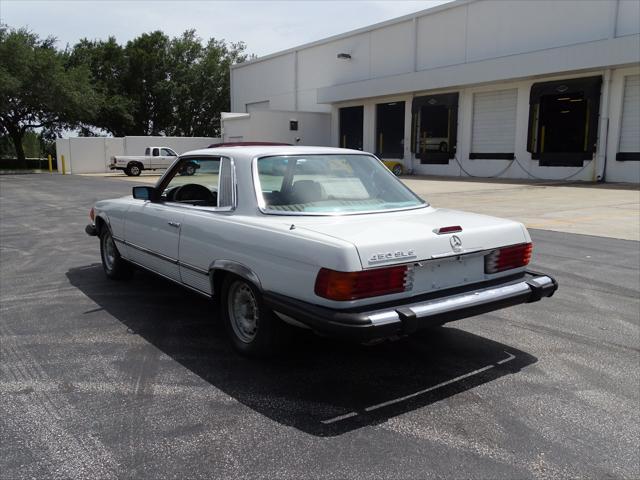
(193, 191)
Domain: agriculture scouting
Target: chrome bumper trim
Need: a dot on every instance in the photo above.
(462, 301)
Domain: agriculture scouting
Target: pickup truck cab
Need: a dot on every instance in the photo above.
(154, 158)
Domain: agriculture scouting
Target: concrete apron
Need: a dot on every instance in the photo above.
(603, 210)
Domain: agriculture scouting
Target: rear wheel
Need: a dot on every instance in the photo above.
(134, 170)
(253, 329)
(114, 266)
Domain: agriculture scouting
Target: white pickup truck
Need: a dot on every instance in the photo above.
(154, 158)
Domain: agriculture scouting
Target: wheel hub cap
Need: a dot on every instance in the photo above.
(243, 311)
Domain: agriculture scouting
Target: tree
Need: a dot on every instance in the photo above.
(37, 90)
(107, 65)
(155, 85)
(148, 83)
(200, 83)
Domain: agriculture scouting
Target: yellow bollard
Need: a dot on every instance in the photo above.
(50, 164)
(62, 158)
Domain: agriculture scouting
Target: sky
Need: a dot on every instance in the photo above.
(265, 26)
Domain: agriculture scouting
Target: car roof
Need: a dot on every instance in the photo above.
(249, 152)
(242, 144)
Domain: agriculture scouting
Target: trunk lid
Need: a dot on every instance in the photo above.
(439, 261)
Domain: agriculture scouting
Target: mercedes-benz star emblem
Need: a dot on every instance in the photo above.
(456, 243)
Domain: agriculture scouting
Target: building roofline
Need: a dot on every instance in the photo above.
(358, 31)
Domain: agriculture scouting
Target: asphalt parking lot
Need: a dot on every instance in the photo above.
(136, 380)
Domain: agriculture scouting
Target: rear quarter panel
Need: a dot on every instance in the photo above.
(285, 261)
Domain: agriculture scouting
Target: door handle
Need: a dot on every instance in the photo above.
(174, 224)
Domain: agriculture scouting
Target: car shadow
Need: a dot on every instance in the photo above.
(321, 386)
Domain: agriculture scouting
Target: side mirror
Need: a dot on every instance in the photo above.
(145, 192)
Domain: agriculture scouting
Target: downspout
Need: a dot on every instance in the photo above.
(606, 95)
(603, 133)
(295, 80)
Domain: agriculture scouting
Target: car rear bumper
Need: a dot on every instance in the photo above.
(91, 230)
(416, 313)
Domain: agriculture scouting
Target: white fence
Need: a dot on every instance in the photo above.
(92, 154)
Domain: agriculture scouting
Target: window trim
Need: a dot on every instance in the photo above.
(162, 183)
(257, 190)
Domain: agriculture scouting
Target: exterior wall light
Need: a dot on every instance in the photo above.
(344, 56)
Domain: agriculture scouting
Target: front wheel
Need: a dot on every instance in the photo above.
(253, 329)
(114, 266)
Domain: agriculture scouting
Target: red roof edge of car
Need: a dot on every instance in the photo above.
(246, 144)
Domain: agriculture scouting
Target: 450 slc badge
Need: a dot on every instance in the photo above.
(386, 256)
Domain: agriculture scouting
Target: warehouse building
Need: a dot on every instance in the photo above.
(486, 88)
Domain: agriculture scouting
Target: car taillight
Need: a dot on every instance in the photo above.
(367, 283)
(506, 258)
(92, 214)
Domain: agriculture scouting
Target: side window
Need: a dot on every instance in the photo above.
(206, 182)
(155, 152)
(147, 152)
(167, 152)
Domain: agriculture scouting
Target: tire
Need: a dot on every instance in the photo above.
(397, 170)
(114, 266)
(127, 172)
(134, 170)
(252, 328)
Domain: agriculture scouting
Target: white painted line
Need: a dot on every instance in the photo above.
(420, 392)
(340, 417)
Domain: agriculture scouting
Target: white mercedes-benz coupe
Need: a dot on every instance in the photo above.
(320, 238)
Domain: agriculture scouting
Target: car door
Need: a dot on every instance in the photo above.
(152, 235)
(205, 230)
(167, 157)
(156, 158)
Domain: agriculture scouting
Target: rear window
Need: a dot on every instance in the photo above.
(330, 184)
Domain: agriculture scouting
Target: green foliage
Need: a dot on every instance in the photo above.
(155, 85)
(35, 145)
(107, 65)
(37, 89)
(200, 77)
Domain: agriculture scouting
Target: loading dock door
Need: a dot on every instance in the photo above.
(390, 130)
(351, 121)
(434, 127)
(629, 147)
(493, 129)
(563, 121)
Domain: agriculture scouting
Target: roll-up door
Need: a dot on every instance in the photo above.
(629, 147)
(494, 124)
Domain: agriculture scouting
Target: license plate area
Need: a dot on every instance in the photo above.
(446, 273)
